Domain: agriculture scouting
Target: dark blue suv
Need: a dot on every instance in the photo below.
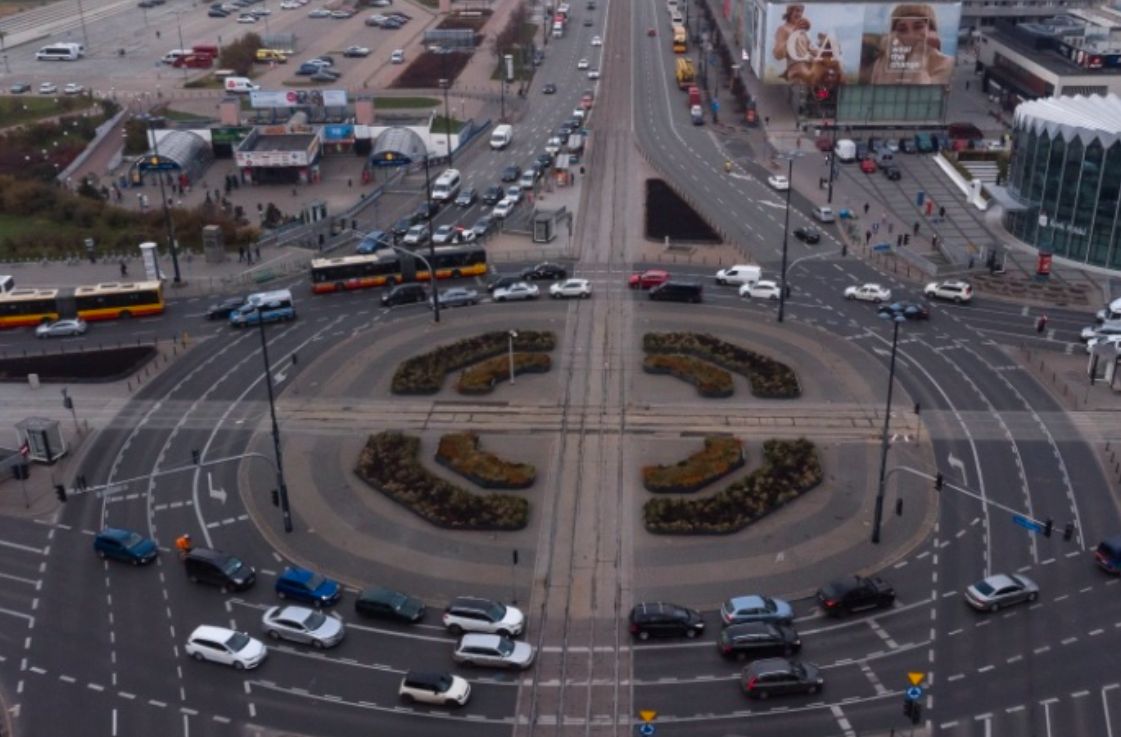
(126, 545)
(300, 584)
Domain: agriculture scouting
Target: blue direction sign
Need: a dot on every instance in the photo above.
(914, 693)
(881, 247)
(646, 730)
(1026, 523)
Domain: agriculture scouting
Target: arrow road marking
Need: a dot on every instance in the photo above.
(219, 494)
(956, 463)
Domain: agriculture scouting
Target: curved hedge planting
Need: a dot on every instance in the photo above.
(770, 379)
(482, 377)
(389, 464)
(711, 381)
(790, 468)
(424, 374)
(460, 452)
(720, 456)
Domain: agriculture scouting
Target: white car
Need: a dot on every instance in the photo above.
(779, 182)
(319, 13)
(593, 74)
(579, 113)
(580, 288)
(953, 290)
(518, 290)
(582, 64)
(503, 209)
(356, 51)
(300, 624)
(226, 646)
(61, 328)
(765, 289)
(597, 41)
(246, 18)
(495, 651)
(73, 89)
(342, 14)
(289, 5)
(443, 234)
(514, 192)
(48, 88)
(260, 12)
(554, 145)
(416, 235)
(528, 180)
(1105, 340)
(434, 688)
(1107, 329)
(320, 62)
(739, 274)
(868, 293)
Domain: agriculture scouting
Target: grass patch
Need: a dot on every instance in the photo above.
(16, 226)
(403, 103)
(18, 110)
(445, 125)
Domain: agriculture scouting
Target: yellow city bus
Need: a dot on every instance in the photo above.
(30, 306)
(679, 46)
(383, 267)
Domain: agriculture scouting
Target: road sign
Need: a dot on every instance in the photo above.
(914, 693)
(647, 715)
(881, 247)
(1027, 524)
(915, 677)
(646, 730)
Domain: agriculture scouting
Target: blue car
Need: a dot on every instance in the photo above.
(126, 545)
(306, 70)
(300, 584)
(374, 240)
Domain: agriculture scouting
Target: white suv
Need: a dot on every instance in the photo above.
(954, 291)
(472, 614)
(434, 688)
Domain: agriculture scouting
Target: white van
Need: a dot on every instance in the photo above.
(739, 274)
(175, 55)
(446, 186)
(240, 84)
(59, 52)
(845, 150)
(501, 136)
(7, 283)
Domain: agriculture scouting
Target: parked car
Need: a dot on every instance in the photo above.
(580, 288)
(125, 545)
(246, 18)
(467, 197)
(779, 677)
(300, 584)
(593, 74)
(756, 608)
(519, 290)
(907, 145)
(475, 614)
(906, 310)
(378, 602)
(752, 640)
(48, 88)
(225, 646)
(868, 293)
(582, 64)
(1001, 590)
(545, 270)
(597, 41)
(855, 594)
(303, 625)
(493, 651)
(458, 297)
(434, 688)
(868, 166)
(73, 89)
(892, 172)
(19, 88)
(356, 52)
(492, 195)
(648, 279)
(762, 289)
(807, 234)
(661, 619)
(953, 290)
(65, 328)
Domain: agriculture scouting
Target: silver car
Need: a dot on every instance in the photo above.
(519, 290)
(458, 297)
(1001, 590)
(300, 624)
(494, 651)
(61, 328)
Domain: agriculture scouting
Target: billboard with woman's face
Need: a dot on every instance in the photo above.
(826, 44)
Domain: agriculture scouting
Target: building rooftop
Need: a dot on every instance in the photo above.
(1097, 115)
(287, 142)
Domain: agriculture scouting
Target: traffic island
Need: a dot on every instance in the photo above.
(483, 377)
(790, 468)
(769, 379)
(720, 456)
(460, 452)
(711, 381)
(389, 464)
(424, 374)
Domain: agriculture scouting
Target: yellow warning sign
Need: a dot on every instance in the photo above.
(915, 678)
(647, 715)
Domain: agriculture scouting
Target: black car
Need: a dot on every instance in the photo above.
(222, 310)
(425, 211)
(892, 172)
(779, 676)
(658, 619)
(402, 226)
(848, 595)
(573, 125)
(549, 89)
(808, 234)
(511, 173)
(404, 294)
(751, 640)
(492, 195)
(467, 197)
(383, 603)
(502, 281)
(906, 310)
(326, 58)
(538, 58)
(545, 271)
(217, 13)
(588, 23)
(907, 145)
(19, 88)
(545, 159)
(483, 226)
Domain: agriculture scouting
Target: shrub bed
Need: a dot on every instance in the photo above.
(389, 464)
(424, 374)
(770, 379)
(711, 381)
(482, 377)
(720, 456)
(460, 452)
(790, 468)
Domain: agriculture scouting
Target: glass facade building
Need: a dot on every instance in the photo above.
(1065, 174)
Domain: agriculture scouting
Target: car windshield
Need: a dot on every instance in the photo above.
(238, 641)
(233, 565)
(505, 646)
(769, 604)
(314, 620)
(133, 540)
(984, 588)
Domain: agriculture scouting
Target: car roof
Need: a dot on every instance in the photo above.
(294, 573)
(1000, 580)
(426, 678)
(292, 612)
(743, 602)
(116, 533)
(480, 639)
(749, 628)
(210, 632)
(770, 665)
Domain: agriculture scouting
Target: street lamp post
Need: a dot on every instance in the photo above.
(179, 25)
(281, 486)
(166, 211)
(790, 156)
(431, 243)
(878, 516)
(512, 334)
(82, 18)
(832, 163)
(444, 84)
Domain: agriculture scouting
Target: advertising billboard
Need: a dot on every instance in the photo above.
(298, 98)
(828, 44)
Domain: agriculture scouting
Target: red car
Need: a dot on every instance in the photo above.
(868, 166)
(651, 32)
(587, 100)
(824, 144)
(648, 279)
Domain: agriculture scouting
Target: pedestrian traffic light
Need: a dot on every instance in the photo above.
(60, 492)
(196, 457)
(1048, 526)
(906, 239)
(276, 497)
(939, 481)
(1068, 531)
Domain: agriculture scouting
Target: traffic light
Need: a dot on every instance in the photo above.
(1068, 531)
(196, 457)
(939, 481)
(909, 708)
(276, 497)
(60, 492)
(1048, 526)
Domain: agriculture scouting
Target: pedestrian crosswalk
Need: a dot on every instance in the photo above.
(1086, 712)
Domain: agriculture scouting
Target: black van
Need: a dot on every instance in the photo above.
(677, 291)
(218, 569)
(404, 294)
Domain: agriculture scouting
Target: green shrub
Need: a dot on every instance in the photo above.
(424, 374)
(460, 452)
(721, 456)
(389, 463)
(711, 381)
(770, 379)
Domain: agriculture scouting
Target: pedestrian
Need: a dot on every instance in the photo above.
(934, 243)
(866, 206)
(349, 183)
(967, 85)
(844, 250)
(890, 228)
(970, 262)
(240, 254)
(867, 236)
(124, 268)
(899, 241)
(941, 212)
(257, 252)
(915, 230)
(249, 256)
(183, 545)
(157, 34)
(876, 228)
(767, 120)
(1041, 324)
